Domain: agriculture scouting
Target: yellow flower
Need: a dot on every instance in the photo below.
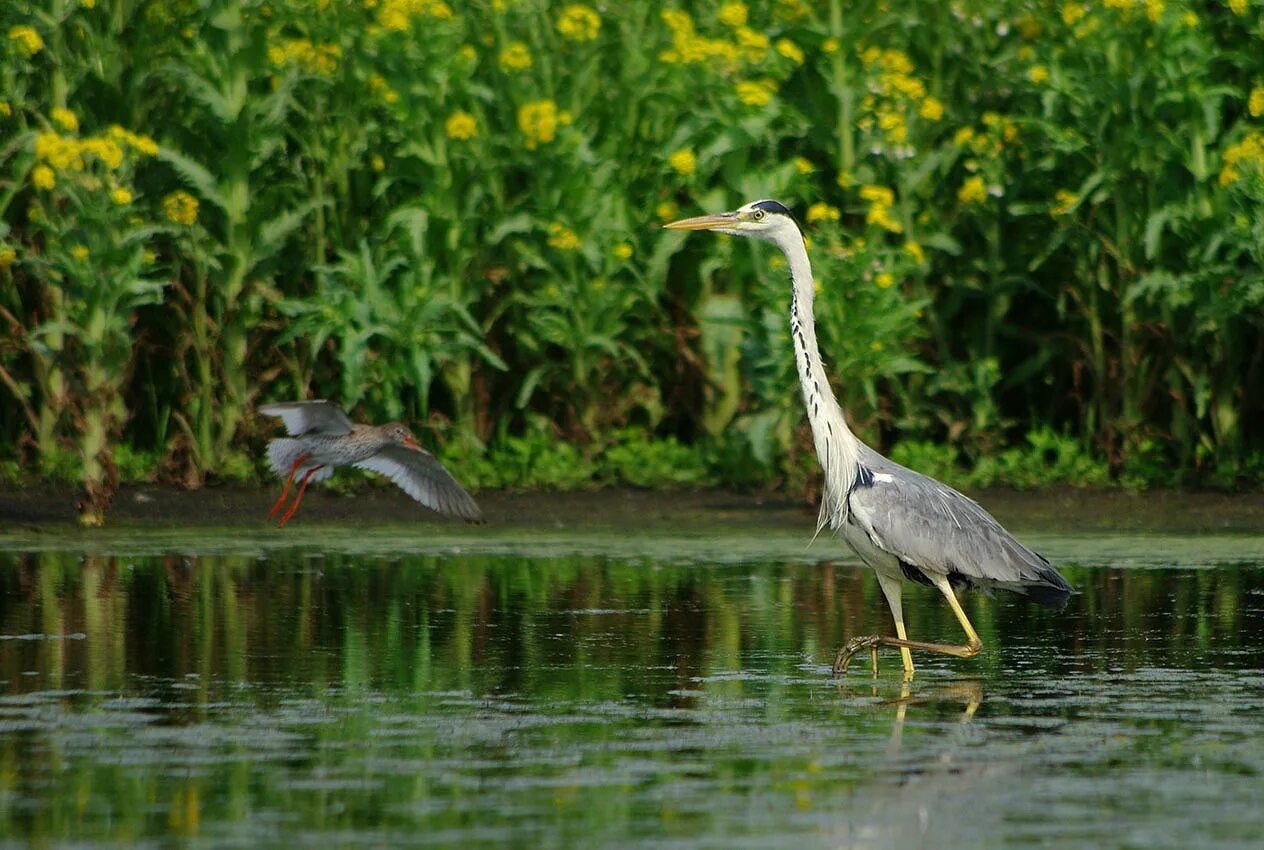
(121, 196)
(914, 250)
(962, 137)
(880, 215)
(1255, 104)
(623, 251)
(1189, 19)
(1038, 74)
(563, 238)
(885, 280)
(1154, 10)
(467, 52)
(1072, 12)
(379, 86)
(105, 149)
(683, 161)
(538, 121)
(28, 40)
(803, 165)
(8, 257)
(150, 257)
(790, 50)
(515, 57)
(1249, 152)
(65, 119)
(973, 191)
(845, 179)
(879, 195)
(378, 163)
(931, 109)
(892, 124)
(138, 143)
(397, 15)
(1063, 202)
(79, 252)
(5, 109)
(667, 210)
(461, 126)
(42, 177)
(319, 59)
(88, 4)
(791, 10)
(1237, 7)
(180, 208)
(733, 15)
(754, 44)
(822, 212)
(579, 23)
(676, 20)
(756, 92)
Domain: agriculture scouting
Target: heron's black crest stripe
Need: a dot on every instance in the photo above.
(771, 206)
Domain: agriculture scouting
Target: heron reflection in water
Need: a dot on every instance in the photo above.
(905, 525)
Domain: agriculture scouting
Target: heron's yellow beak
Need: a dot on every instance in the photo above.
(704, 222)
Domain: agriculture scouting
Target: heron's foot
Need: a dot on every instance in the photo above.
(856, 644)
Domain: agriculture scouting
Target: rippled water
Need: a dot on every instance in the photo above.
(619, 691)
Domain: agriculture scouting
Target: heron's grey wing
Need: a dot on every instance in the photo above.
(931, 526)
(420, 475)
(310, 417)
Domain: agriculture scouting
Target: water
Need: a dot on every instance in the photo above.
(471, 688)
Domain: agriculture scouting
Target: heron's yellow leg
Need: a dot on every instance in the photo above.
(967, 650)
(892, 591)
(946, 589)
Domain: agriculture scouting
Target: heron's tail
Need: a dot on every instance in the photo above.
(1047, 588)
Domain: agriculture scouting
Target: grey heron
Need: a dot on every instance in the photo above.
(322, 437)
(905, 525)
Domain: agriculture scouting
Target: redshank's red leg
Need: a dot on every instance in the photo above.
(285, 491)
(302, 487)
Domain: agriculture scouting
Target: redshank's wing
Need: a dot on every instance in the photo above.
(310, 417)
(420, 475)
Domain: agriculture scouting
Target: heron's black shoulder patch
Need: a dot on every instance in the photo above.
(864, 476)
(771, 206)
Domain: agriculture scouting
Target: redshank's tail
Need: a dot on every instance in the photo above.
(283, 452)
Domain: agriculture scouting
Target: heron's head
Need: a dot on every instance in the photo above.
(400, 434)
(766, 220)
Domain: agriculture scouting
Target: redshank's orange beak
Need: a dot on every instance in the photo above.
(410, 442)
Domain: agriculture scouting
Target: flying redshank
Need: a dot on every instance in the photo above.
(322, 438)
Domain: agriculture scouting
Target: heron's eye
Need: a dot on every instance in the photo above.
(759, 215)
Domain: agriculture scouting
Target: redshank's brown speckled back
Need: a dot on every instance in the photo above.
(323, 438)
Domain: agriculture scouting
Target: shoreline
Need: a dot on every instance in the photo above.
(48, 507)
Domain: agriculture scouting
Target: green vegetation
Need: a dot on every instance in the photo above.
(1038, 232)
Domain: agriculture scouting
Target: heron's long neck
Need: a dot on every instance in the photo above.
(836, 447)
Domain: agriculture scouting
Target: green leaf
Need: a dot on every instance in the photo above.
(195, 175)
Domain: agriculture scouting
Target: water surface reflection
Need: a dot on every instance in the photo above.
(578, 700)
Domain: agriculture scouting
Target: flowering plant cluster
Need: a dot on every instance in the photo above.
(1023, 218)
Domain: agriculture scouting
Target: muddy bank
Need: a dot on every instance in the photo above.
(1067, 510)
